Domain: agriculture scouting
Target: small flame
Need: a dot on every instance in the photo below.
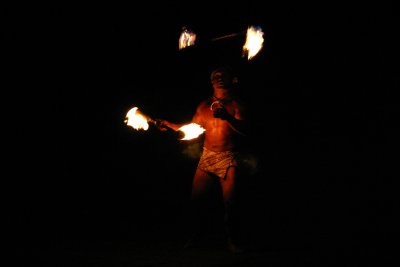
(254, 41)
(187, 38)
(136, 120)
(191, 131)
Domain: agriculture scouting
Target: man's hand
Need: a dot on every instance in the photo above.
(162, 125)
(221, 113)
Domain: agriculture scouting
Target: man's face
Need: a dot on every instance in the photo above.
(221, 79)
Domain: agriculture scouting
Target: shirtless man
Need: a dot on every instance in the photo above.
(224, 120)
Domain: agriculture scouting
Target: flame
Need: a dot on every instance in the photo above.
(254, 41)
(191, 131)
(136, 120)
(187, 38)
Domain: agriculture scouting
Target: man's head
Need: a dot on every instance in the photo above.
(223, 77)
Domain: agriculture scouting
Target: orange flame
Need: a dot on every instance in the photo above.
(136, 120)
(254, 41)
(191, 131)
(187, 38)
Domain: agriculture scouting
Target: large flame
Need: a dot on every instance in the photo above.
(191, 131)
(187, 38)
(254, 41)
(136, 120)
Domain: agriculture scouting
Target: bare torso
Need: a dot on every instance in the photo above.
(219, 135)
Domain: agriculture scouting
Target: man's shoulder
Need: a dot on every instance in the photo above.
(204, 103)
(239, 102)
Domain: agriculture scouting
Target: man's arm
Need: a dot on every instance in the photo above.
(165, 125)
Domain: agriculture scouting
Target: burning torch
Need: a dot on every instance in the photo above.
(139, 121)
(254, 40)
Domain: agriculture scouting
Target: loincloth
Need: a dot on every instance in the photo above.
(217, 163)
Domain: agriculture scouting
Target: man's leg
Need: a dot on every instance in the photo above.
(230, 193)
(202, 186)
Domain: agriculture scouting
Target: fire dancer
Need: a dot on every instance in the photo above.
(223, 117)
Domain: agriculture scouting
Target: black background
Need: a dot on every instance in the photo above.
(323, 101)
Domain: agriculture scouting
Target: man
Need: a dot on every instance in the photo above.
(223, 117)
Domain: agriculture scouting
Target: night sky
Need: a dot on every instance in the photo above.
(322, 102)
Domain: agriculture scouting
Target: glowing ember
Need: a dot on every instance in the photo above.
(187, 38)
(254, 41)
(191, 131)
(136, 120)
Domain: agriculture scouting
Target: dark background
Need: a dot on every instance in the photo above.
(323, 103)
